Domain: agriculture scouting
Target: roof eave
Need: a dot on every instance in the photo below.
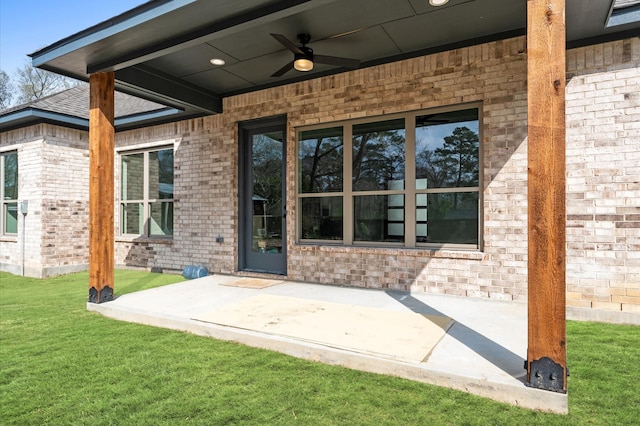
(125, 21)
(30, 116)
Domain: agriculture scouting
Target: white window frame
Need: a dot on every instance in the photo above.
(146, 201)
(4, 203)
(410, 189)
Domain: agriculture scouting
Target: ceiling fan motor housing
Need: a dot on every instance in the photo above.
(304, 38)
(307, 53)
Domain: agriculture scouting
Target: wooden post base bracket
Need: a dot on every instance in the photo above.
(546, 374)
(104, 295)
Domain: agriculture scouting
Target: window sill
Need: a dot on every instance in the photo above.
(8, 239)
(140, 239)
(468, 254)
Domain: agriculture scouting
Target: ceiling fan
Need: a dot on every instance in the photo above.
(304, 58)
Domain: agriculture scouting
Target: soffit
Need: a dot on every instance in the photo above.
(161, 50)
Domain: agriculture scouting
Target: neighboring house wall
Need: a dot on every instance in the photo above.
(53, 177)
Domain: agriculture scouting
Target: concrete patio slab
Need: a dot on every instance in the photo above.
(480, 349)
(354, 328)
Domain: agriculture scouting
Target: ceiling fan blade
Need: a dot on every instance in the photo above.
(287, 43)
(335, 60)
(283, 70)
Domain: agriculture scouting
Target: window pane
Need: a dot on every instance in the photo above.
(132, 177)
(320, 154)
(379, 218)
(11, 218)
(10, 176)
(132, 218)
(378, 155)
(161, 174)
(161, 222)
(447, 218)
(322, 218)
(267, 167)
(447, 150)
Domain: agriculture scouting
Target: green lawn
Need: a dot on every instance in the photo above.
(60, 364)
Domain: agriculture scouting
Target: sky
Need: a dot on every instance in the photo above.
(29, 25)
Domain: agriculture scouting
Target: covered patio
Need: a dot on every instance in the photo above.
(471, 345)
(202, 57)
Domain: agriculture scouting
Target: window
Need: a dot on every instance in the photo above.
(9, 193)
(321, 157)
(409, 180)
(377, 178)
(146, 193)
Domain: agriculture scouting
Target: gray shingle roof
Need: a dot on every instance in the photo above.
(75, 102)
(70, 108)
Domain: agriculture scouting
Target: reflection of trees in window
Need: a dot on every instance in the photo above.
(378, 218)
(452, 217)
(443, 198)
(461, 150)
(267, 172)
(448, 158)
(378, 155)
(322, 218)
(10, 176)
(9, 193)
(165, 172)
(452, 165)
(320, 154)
(161, 187)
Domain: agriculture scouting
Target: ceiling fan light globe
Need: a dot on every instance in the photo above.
(303, 64)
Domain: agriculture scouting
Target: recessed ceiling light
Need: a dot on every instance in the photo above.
(438, 2)
(217, 61)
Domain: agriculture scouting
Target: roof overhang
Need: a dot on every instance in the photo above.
(30, 116)
(70, 108)
(161, 50)
(623, 12)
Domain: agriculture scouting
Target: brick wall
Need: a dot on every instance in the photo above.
(603, 182)
(205, 197)
(493, 74)
(206, 174)
(65, 201)
(53, 177)
(602, 169)
(603, 176)
(27, 142)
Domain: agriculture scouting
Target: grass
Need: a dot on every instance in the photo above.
(60, 364)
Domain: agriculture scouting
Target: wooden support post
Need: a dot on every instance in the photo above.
(546, 80)
(101, 187)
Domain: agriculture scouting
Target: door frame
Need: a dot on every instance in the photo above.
(246, 129)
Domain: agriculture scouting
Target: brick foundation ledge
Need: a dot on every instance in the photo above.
(601, 315)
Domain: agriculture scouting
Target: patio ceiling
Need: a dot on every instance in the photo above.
(161, 50)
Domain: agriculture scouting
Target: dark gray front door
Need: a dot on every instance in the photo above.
(262, 196)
